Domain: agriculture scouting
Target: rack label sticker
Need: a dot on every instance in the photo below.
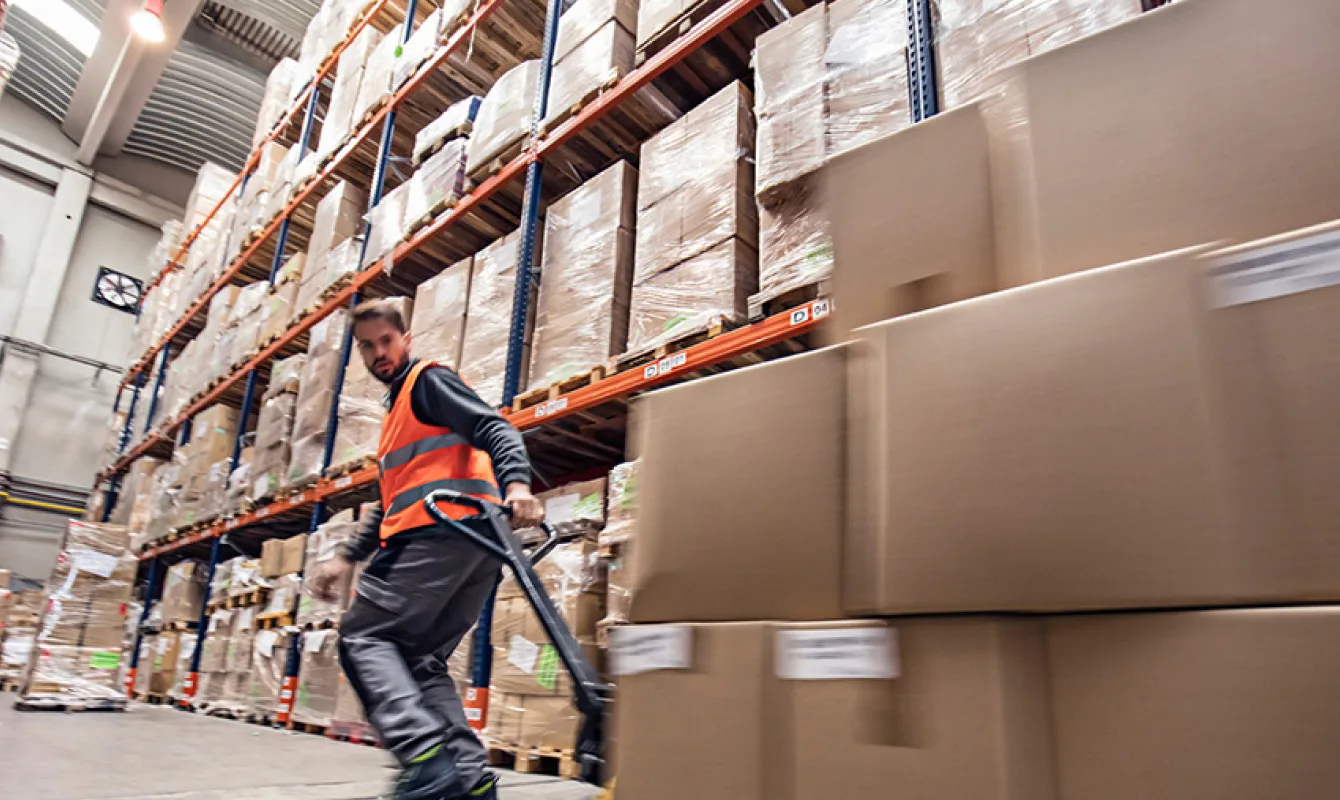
(837, 654)
(298, 499)
(265, 642)
(230, 524)
(262, 513)
(665, 365)
(1267, 273)
(639, 649)
(345, 482)
(522, 653)
(551, 407)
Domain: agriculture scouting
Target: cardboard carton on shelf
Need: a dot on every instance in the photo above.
(438, 325)
(489, 317)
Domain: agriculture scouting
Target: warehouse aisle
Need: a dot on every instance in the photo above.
(153, 753)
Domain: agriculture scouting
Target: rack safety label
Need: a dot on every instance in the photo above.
(1273, 271)
(230, 524)
(665, 365)
(551, 407)
(263, 512)
(837, 654)
(645, 648)
(298, 499)
(345, 482)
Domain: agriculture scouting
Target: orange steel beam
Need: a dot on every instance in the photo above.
(766, 332)
(254, 159)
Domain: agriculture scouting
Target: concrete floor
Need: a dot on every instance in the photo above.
(156, 753)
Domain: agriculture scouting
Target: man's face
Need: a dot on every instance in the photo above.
(385, 350)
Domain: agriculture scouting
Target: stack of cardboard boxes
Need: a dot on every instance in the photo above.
(489, 318)
(594, 50)
(75, 653)
(887, 592)
(281, 567)
(274, 428)
(323, 545)
(582, 317)
(503, 122)
(696, 259)
(530, 693)
(440, 304)
(20, 613)
(316, 392)
(210, 450)
(331, 251)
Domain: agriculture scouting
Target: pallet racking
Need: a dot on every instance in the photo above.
(567, 434)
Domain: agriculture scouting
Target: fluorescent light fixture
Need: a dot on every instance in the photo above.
(64, 21)
(147, 23)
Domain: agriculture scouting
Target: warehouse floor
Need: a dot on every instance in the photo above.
(155, 753)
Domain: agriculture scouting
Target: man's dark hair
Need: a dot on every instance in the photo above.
(386, 308)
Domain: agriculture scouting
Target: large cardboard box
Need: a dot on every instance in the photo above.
(1147, 435)
(1129, 168)
(933, 709)
(865, 66)
(709, 288)
(721, 535)
(318, 678)
(933, 240)
(789, 75)
(438, 325)
(489, 317)
(1213, 705)
(183, 592)
(582, 318)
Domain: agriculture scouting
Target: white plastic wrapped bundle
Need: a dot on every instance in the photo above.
(504, 116)
(436, 185)
(709, 288)
(386, 224)
(621, 504)
(211, 187)
(281, 88)
(489, 319)
(582, 316)
(789, 79)
(866, 72)
(976, 39)
(311, 417)
(438, 325)
(421, 45)
(340, 120)
(378, 73)
(598, 60)
(456, 122)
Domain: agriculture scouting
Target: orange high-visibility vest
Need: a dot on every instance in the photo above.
(416, 459)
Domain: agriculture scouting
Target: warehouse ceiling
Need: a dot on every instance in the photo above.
(191, 99)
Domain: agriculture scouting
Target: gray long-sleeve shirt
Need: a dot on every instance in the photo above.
(441, 398)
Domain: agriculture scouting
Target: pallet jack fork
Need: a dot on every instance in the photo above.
(592, 695)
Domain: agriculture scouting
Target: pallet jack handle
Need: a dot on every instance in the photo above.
(592, 695)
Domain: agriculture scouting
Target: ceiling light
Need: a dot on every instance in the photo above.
(64, 21)
(148, 22)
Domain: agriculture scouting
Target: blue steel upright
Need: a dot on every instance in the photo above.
(202, 625)
(158, 387)
(921, 60)
(482, 668)
(150, 594)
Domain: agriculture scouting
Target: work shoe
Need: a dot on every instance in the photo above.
(486, 789)
(428, 777)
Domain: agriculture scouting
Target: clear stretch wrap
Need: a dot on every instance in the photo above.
(339, 216)
(504, 116)
(386, 224)
(378, 73)
(21, 622)
(697, 224)
(976, 39)
(269, 657)
(246, 320)
(577, 509)
(211, 187)
(489, 318)
(163, 503)
(137, 484)
(438, 326)
(223, 579)
(795, 248)
(653, 16)
(267, 177)
(340, 260)
(524, 661)
(181, 664)
(76, 648)
(279, 308)
(237, 492)
(348, 708)
(621, 505)
(283, 187)
(582, 316)
(866, 72)
(340, 119)
(311, 417)
(281, 88)
(318, 678)
(455, 123)
(460, 664)
(322, 546)
(284, 591)
(421, 45)
(436, 185)
(214, 653)
(619, 593)
(593, 63)
(273, 451)
(789, 100)
(183, 592)
(238, 655)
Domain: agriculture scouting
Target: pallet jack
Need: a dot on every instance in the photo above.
(592, 695)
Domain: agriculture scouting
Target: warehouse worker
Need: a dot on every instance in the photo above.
(424, 588)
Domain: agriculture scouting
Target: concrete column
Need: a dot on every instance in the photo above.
(45, 279)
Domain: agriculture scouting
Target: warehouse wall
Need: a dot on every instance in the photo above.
(64, 428)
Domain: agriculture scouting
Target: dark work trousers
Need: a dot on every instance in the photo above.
(416, 600)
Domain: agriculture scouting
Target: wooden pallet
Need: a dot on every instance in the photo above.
(8, 685)
(270, 621)
(350, 467)
(181, 625)
(554, 391)
(647, 355)
(41, 702)
(611, 80)
(254, 596)
(535, 760)
(785, 298)
(306, 727)
(352, 732)
(493, 166)
(156, 699)
(258, 719)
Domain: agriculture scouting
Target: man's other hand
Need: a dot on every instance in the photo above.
(331, 574)
(527, 511)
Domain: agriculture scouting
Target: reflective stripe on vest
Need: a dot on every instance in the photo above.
(416, 459)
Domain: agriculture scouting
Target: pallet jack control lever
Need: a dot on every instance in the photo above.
(592, 695)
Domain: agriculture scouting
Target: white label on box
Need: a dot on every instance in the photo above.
(313, 641)
(246, 617)
(559, 509)
(644, 648)
(95, 563)
(17, 650)
(522, 653)
(265, 642)
(1265, 273)
(837, 654)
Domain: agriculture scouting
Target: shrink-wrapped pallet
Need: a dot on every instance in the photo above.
(312, 413)
(438, 325)
(504, 117)
(489, 318)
